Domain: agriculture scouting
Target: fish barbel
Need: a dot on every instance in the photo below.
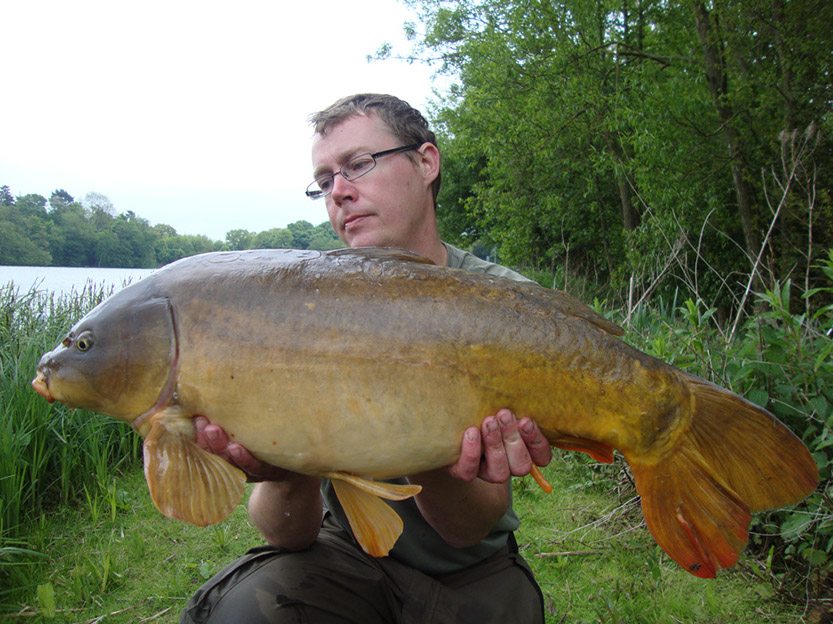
(367, 364)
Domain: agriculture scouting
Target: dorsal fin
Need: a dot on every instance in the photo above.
(580, 309)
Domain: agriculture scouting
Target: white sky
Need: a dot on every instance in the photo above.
(187, 112)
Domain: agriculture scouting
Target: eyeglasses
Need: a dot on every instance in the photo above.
(351, 170)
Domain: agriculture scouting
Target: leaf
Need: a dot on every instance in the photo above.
(46, 600)
(758, 397)
(794, 524)
(817, 557)
(824, 356)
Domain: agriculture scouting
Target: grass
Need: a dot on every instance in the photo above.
(48, 454)
(136, 566)
(133, 565)
(596, 562)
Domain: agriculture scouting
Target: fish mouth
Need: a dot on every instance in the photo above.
(41, 386)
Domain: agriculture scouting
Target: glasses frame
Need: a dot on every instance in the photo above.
(317, 193)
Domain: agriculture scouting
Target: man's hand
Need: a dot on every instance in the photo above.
(503, 447)
(214, 439)
(285, 506)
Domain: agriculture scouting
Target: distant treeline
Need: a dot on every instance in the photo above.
(61, 231)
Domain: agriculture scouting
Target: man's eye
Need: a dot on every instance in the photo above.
(359, 165)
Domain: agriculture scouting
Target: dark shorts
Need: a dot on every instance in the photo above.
(336, 582)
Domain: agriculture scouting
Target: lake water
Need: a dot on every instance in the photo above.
(68, 279)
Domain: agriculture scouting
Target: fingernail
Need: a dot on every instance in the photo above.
(528, 426)
(506, 418)
(491, 425)
(212, 434)
(471, 435)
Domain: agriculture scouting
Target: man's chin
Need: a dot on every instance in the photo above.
(365, 237)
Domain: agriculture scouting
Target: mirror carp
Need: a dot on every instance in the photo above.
(361, 365)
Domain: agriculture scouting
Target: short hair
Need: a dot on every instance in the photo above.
(403, 120)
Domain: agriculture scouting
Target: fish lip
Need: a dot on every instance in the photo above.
(41, 385)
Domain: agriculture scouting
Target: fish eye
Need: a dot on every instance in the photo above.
(85, 341)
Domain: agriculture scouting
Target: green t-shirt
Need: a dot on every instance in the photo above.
(420, 546)
(459, 259)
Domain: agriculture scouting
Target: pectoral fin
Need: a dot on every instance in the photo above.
(186, 482)
(375, 525)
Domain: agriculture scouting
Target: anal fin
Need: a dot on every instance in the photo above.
(186, 482)
(390, 491)
(375, 524)
(597, 450)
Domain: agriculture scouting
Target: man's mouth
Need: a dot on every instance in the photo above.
(349, 221)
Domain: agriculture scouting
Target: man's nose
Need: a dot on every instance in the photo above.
(342, 188)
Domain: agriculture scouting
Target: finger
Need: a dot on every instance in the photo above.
(216, 438)
(255, 469)
(467, 466)
(244, 460)
(209, 437)
(494, 466)
(517, 456)
(536, 442)
(199, 426)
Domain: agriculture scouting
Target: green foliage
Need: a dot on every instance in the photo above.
(780, 360)
(64, 232)
(646, 146)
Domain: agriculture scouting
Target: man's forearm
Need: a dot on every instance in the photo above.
(463, 513)
(287, 512)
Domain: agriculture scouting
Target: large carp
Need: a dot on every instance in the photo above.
(366, 364)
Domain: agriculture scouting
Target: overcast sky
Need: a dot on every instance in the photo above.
(187, 112)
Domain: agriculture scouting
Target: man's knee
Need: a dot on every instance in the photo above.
(268, 586)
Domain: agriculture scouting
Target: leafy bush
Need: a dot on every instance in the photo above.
(780, 360)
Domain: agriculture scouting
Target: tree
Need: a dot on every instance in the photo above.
(72, 237)
(239, 239)
(164, 230)
(275, 238)
(60, 198)
(302, 232)
(6, 197)
(598, 136)
(31, 205)
(22, 238)
(324, 237)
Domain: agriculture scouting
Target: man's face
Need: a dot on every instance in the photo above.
(390, 206)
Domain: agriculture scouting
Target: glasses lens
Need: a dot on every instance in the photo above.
(320, 187)
(358, 167)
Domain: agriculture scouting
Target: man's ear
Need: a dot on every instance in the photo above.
(429, 162)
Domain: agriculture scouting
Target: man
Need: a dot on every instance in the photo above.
(377, 166)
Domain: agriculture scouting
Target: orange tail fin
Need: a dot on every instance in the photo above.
(735, 458)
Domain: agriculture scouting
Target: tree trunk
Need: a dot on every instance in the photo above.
(715, 69)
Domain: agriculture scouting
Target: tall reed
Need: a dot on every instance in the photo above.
(49, 454)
